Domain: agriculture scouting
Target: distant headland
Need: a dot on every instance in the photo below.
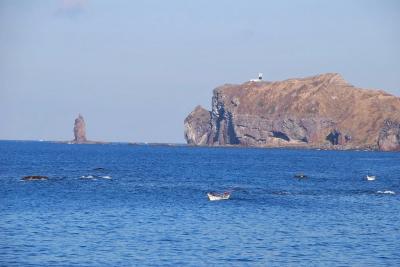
(322, 111)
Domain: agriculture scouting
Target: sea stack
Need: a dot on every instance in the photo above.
(80, 130)
(322, 111)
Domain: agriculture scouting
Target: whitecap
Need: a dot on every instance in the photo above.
(106, 177)
(389, 192)
(87, 177)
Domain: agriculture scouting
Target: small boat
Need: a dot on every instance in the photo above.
(300, 176)
(218, 196)
(370, 177)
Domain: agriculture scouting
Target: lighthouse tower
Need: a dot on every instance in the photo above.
(259, 78)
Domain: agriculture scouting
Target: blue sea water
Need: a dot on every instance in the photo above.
(148, 206)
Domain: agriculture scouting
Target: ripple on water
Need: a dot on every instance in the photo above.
(148, 206)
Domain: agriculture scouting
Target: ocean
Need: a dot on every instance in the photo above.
(139, 205)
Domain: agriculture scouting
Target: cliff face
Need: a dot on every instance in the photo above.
(80, 130)
(321, 111)
(389, 136)
(198, 126)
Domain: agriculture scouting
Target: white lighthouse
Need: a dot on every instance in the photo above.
(259, 78)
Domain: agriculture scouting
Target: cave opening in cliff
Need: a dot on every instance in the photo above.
(280, 135)
(333, 137)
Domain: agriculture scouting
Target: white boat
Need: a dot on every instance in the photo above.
(217, 196)
(370, 177)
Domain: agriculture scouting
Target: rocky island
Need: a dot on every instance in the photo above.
(322, 111)
(80, 132)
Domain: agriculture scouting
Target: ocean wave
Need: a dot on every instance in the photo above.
(389, 192)
(281, 193)
(94, 177)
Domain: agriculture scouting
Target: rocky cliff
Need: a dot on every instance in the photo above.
(322, 111)
(80, 130)
(198, 127)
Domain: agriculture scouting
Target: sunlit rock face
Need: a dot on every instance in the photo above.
(320, 111)
(198, 127)
(80, 130)
(389, 137)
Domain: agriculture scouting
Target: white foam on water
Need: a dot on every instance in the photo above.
(106, 177)
(390, 192)
(87, 177)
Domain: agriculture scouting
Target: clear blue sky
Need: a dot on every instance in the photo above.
(136, 69)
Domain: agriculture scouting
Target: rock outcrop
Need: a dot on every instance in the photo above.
(321, 111)
(198, 126)
(389, 136)
(80, 133)
(80, 130)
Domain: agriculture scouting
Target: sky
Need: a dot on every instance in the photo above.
(136, 69)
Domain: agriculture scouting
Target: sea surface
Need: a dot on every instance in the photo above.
(126, 205)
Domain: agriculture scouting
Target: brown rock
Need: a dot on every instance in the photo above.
(198, 127)
(389, 137)
(320, 111)
(80, 130)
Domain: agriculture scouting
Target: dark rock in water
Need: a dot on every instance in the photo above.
(34, 177)
(321, 111)
(300, 176)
